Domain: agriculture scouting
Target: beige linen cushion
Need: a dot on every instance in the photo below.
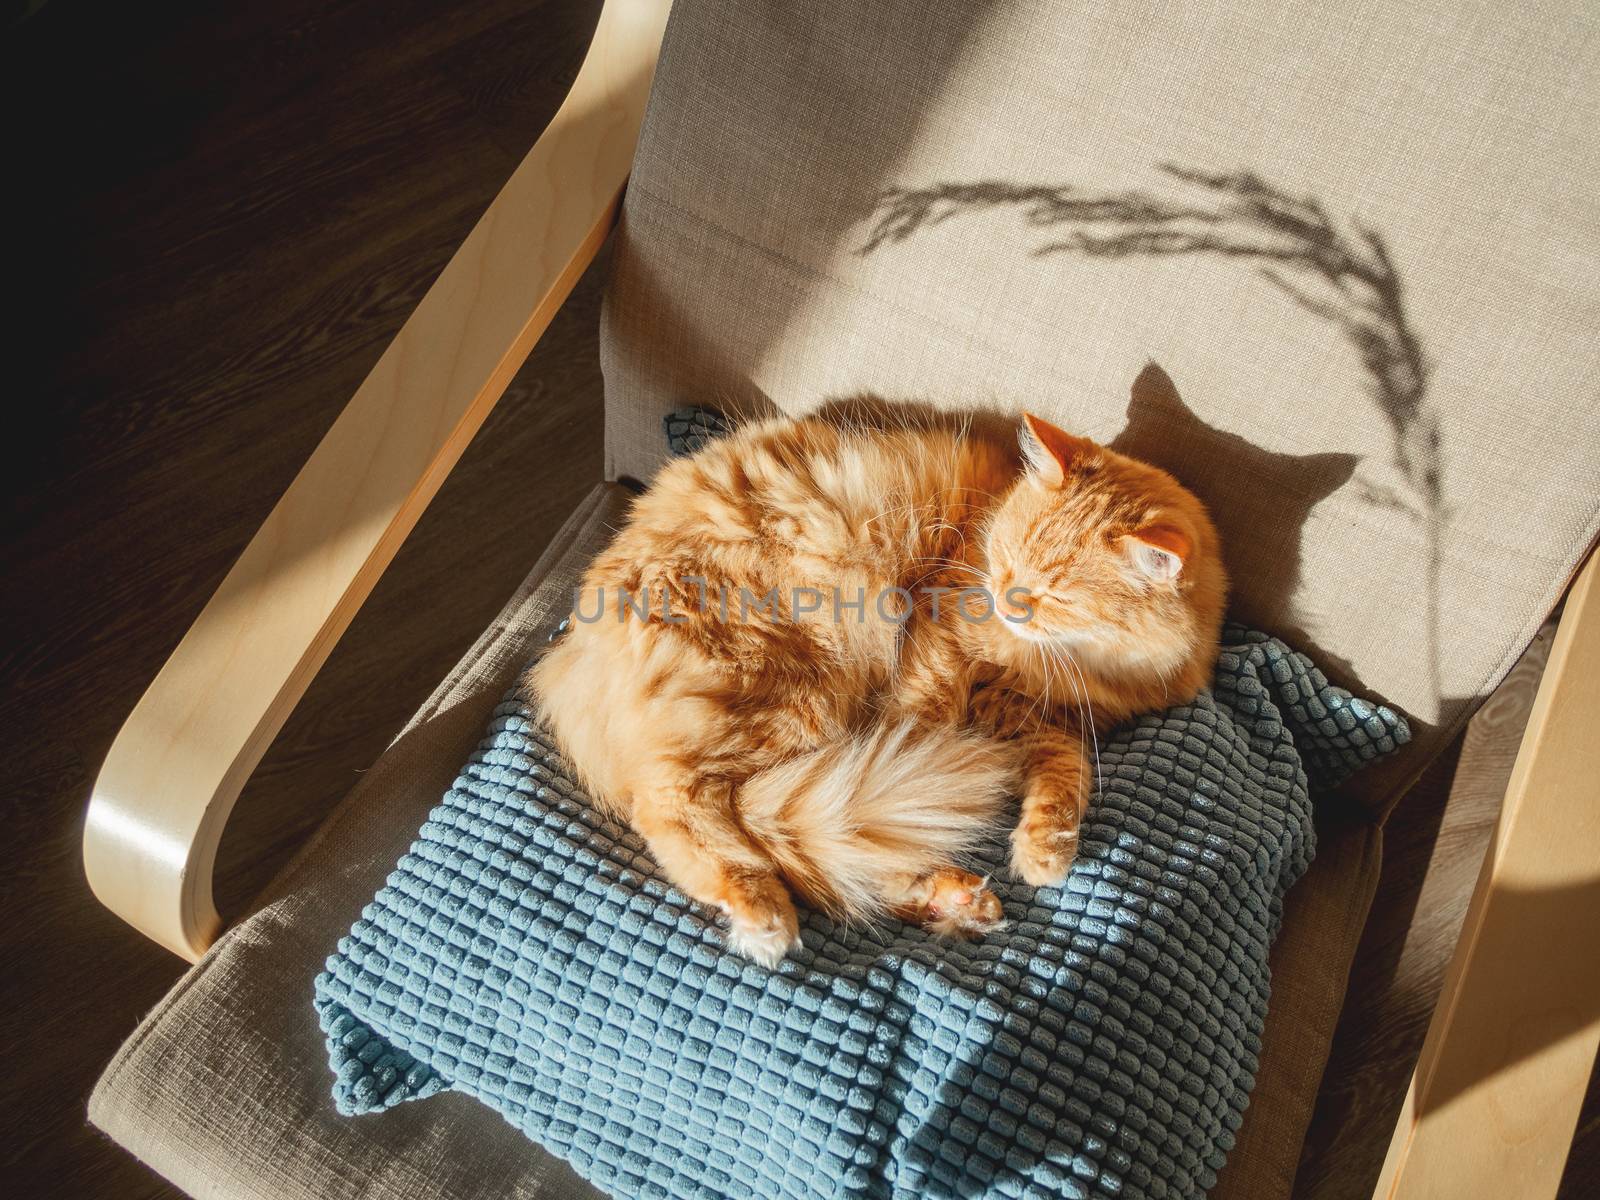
(224, 1088)
(1375, 344)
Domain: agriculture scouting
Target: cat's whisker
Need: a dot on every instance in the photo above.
(1093, 733)
(1046, 701)
(953, 563)
(925, 504)
(1077, 692)
(894, 509)
(1042, 701)
(1066, 665)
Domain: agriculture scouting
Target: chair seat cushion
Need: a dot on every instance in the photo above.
(527, 951)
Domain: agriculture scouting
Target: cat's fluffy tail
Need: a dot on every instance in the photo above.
(844, 822)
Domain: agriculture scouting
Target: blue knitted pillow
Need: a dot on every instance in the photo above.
(527, 951)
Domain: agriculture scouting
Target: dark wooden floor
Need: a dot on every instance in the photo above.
(223, 213)
(228, 210)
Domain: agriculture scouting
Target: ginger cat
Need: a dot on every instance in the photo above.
(776, 676)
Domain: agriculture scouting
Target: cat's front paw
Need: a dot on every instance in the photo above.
(763, 925)
(1042, 852)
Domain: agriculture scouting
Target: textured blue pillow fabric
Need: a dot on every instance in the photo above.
(526, 951)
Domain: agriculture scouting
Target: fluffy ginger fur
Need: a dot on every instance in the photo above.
(851, 756)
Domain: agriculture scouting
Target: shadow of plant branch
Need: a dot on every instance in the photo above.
(1341, 272)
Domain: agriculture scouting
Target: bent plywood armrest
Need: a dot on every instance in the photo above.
(164, 794)
(1498, 1087)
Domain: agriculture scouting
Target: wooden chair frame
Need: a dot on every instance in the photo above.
(1493, 1103)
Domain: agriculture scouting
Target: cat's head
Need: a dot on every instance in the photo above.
(1094, 551)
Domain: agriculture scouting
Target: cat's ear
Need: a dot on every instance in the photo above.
(1050, 451)
(1158, 551)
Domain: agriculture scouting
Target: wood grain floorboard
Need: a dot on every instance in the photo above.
(221, 214)
(234, 208)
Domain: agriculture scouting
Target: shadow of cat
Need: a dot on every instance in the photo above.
(1161, 429)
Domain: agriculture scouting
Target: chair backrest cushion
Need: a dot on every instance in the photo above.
(1333, 266)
